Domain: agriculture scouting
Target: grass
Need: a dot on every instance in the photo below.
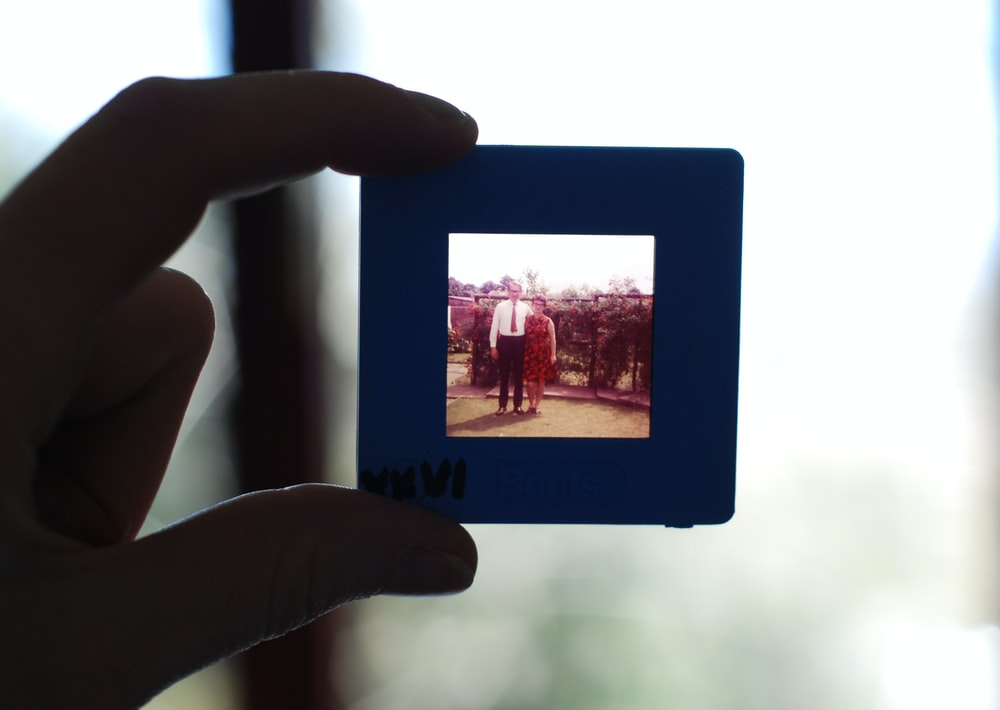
(559, 418)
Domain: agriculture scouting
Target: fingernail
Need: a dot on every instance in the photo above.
(423, 571)
(442, 110)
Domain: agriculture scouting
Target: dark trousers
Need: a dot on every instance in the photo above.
(510, 361)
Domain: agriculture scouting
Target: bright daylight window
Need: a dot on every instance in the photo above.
(858, 570)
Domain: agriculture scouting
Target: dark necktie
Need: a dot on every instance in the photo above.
(513, 317)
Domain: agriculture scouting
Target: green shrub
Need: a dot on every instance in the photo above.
(602, 342)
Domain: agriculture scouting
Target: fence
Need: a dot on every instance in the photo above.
(603, 341)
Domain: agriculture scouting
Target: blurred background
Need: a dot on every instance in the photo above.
(860, 569)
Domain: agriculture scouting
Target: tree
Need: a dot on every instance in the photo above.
(622, 285)
(533, 284)
(455, 287)
(583, 290)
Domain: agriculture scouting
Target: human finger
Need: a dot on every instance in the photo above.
(248, 570)
(122, 193)
(99, 470)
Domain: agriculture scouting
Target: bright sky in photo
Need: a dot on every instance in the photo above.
(560, 260)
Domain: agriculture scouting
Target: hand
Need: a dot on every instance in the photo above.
(99, 351)
(494, 353)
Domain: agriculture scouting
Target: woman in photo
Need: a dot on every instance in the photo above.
(539, 353)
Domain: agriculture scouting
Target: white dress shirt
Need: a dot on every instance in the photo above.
(501, 319)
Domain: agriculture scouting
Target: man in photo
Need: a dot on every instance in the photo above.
(507, 345)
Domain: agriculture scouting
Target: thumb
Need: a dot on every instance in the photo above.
(263, 564)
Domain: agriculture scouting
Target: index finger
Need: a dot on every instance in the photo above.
(124, 191)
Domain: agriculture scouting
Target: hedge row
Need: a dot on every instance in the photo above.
(602, 342)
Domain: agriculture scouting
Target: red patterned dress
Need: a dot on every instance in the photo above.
(538, 363)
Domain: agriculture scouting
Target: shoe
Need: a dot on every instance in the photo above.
(533, 410)
(500, 411)
(518, 411)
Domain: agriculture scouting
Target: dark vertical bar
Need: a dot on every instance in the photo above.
(278, 416)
